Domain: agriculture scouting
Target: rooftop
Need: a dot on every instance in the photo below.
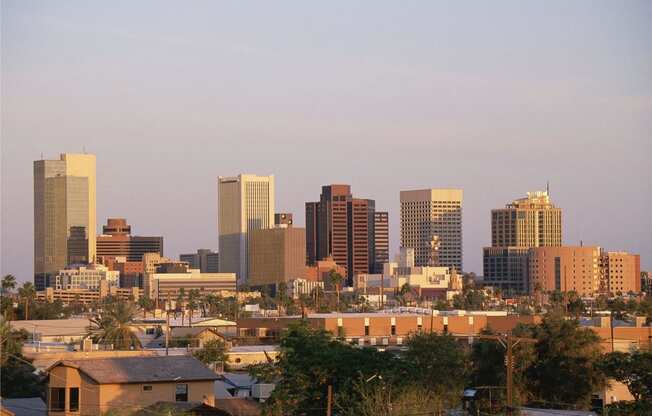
(141, 369)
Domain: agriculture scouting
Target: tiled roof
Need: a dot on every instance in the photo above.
(142, 369)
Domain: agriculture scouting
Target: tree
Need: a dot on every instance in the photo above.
(311, 360)
(632, 369)
(16, 373)
(194, 297)
(336, 280)
(438, 362)
(8, 283)
(114, 326)
(27, 293)
(213, 352)
(565, 370)
(181, 296)
(146, 303)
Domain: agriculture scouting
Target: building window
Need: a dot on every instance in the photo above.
(182, 393)
(58, 399)
(393, 330)
(366, 330)
(147, 388)
(74, 399)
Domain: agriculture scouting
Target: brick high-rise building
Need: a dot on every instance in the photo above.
(341, 227)
(64, 214)
(620, 272)
(525, 223)
(116, 241)
(431, 216)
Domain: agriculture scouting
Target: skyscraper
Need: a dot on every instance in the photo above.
(342, 227)
(380, 241)
(430, 219)
(525, 223)
(245, 203)
(64, 214)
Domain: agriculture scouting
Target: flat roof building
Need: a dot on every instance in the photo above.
(64, 214)
(245, 203)
(431, 222)
(277, 255)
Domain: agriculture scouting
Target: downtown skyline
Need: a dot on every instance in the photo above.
(384, 107)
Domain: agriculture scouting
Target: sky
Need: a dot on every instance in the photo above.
(497, 98)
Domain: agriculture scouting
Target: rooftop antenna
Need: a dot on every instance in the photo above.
(41, 155)
(84, 149)
(548, 188)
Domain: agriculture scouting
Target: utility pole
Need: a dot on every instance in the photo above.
(329, 401)
(510, 374)
(167, 332)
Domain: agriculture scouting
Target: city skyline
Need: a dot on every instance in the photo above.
(387, 106)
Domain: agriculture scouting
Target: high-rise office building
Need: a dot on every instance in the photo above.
(431, 224)
(245, 203)
(206, 260)
(312, 232)
(342, 227)
(525, 223)
(277, 255)
(380, 241)
(116, 241)
(64, 214)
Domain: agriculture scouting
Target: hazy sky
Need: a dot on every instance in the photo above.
(495, 97)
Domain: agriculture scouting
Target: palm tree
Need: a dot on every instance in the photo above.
(114, 326)
(336, 279)
(8, 283)
(146, 303)
(180, 297)
(193, 298)
(27, 293)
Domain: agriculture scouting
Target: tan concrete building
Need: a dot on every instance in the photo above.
(95, 386)
(86, 277)
(433, 215)
(620, 272)
(64, 214)
(277, 255)
(585, 270)
(568, 268)
(245, 203)
(162, 286)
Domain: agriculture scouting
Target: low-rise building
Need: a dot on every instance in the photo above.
(167, 283)
(88, 296)
(85, 277)
(53, 330)
(95, 386)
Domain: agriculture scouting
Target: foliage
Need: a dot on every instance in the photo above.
(632, 369)
(564, 371)
(8, 283)
(429, 356)
(27, 293)
(213, 352)
(377, 398)
(310, 361)
(113, 325)
(470, 299)
(17, 377)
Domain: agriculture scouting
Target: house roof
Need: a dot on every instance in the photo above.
(31, 406)
(53, 327)
(191, 408)
(190, 331)
(141, 369)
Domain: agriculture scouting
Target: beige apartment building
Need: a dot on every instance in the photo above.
(64, 214)
(431, 224)
(94, 386)
(277, 255)
(245, 203)
(164, 286)
(533, 221)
